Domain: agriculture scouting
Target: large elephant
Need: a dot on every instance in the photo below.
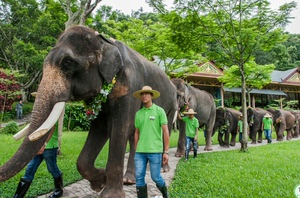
(296, 127)
(76, 69)
(255, 116)
(283, 121)
(226, 124)
(203, 103)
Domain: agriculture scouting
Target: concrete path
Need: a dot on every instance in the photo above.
(82, 188)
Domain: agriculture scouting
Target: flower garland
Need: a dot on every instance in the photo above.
(93, 108)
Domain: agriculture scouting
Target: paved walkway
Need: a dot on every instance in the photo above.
(82, 188)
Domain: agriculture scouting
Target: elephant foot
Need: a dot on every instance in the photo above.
(208, 148)
(165, 168)
(97, 181)
(116, 192)
(129, 179)
(253, 142)
(225, 146)
(179, 154)
(232, 144)
(279, 139)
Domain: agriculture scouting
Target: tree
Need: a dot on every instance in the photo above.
(257, 76)
(9, 91)
(237, 27)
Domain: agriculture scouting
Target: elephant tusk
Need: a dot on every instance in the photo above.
(21, 133)
(49, 123)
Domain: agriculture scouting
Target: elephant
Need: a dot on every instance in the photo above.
(255, 116)
(283, 121)
(226, 123)
(201, 102)
(297, 124)
(77, 68)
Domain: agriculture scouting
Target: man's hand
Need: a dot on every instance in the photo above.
(165, 158)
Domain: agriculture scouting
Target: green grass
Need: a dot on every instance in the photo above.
(266, 171)
(72, 143)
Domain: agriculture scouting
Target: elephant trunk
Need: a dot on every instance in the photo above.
(46, 97)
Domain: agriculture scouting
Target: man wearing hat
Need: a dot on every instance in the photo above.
(151, 141)
(266, 126)
(191, 130)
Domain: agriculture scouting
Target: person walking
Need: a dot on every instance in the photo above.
(191, 130)
(266, 126)
(240, 128)
(19, 109)
(48, 153)
(151, 141)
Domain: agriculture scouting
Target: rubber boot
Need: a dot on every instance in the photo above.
(195, 153)
(142, 192)
(163, 190)
(186, 155)
(58, 192)
(22, 188)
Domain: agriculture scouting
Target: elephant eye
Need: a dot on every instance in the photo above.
(68, 64)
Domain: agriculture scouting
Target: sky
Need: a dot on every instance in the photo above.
(126, 6)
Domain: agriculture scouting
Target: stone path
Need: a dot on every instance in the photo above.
(82, 188)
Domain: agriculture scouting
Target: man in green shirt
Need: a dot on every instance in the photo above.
(191, 131)
(266, 126)
(240, 127)
(151, 141)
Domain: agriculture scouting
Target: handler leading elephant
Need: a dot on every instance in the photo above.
(80, 65)
(255, 116)
(283, 121)
(203, 103)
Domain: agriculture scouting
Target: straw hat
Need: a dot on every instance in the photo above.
(146, 89)
(190, 112)
(241, 115)
(267, 115)
(33, 94)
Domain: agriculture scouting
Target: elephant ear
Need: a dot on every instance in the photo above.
(111, 61)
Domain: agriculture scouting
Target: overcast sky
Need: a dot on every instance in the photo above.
(126, 6)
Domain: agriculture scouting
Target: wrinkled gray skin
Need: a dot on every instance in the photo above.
(226, 124)
(283, 121)
(203, 103)
(295, 132)
(74, 70)
(255, 116)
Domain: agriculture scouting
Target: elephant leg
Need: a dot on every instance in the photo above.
(233, 138)
(96, 139)
(259, 140)
(289, 134)
(209, 132)
(226, 143)
(280, 132)
(220, 138)
(129, 176)
(181, 140)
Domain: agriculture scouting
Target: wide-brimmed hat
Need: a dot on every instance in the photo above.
(267, 115)
(34, 94)
(190, 112)
(146, 89)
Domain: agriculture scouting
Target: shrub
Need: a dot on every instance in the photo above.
(75, 117)
(10, 128)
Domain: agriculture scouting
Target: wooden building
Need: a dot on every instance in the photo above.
(284, 84)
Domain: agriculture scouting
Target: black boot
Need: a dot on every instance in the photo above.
(195, 153)
(142, 192)
(22, 188)
(163, 190)
(58, 192)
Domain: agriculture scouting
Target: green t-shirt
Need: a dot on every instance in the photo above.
(267, 123)
(240, 125)
(149, 122)
(190, 126)
(53, 142)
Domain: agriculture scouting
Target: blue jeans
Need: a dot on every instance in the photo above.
(267, 134)
(50, 156)
(240, 136)
(188, 142)
(140, 163)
